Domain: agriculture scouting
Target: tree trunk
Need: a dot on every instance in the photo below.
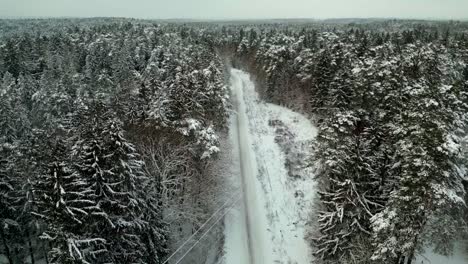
(18, 255)
(401, 259)
(5, 245)
(31, 251)
(45, 253)
(410, 258)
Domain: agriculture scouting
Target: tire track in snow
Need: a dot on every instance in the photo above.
(244, 160)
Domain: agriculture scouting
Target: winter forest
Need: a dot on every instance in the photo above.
(124, 141)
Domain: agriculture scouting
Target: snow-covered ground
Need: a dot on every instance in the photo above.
(460, 256)
(269, 225)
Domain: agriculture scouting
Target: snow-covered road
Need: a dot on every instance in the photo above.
(272, 146)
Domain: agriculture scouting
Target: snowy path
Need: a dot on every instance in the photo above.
(269, 226)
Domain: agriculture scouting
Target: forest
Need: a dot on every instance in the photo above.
(111, 131)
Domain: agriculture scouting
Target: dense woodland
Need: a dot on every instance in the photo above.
(109, 128)
(102, 131)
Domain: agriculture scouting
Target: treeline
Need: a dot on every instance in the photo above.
(391, 104)
(106, 130)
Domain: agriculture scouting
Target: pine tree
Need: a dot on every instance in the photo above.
(9, 192)
(427, 151)
(154, 233)
(111, 167)
(62, 203)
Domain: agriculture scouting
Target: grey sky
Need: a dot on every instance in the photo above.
(231, 9)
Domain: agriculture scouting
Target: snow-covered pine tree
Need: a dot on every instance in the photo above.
(62, 202)
(427, 154)
(113, 171)
(14, 173)
(9, 207)
(154, 233)
(350, 194)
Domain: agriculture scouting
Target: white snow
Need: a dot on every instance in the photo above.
(269, 227)
(459, 256)
(234, 222)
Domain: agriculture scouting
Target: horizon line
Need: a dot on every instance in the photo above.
(236, 19)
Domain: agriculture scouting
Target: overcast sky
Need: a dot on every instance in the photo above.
(240, 9)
